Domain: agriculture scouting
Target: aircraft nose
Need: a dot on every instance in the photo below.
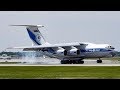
(110, 47)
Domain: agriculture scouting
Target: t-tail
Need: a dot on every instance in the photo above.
(34, 34)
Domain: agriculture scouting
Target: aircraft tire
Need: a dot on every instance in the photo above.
(62, 62)
(99, 61)
(65, 62)
(80, 62)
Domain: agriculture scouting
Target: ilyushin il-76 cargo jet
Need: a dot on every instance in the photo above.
(68, 53)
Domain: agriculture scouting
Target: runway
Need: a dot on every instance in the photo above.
(59, 64)
(56, 62)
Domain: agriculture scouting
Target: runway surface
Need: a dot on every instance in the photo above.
(59, 64)
(56, 62)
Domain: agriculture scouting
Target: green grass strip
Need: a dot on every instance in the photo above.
(57, 72)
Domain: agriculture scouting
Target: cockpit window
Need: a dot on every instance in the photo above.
(110, 47)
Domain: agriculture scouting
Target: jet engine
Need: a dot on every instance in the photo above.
(74, 51)
(61, 52)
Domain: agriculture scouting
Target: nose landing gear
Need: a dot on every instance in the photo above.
(99, 61)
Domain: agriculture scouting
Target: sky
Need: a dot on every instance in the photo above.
(101, 27)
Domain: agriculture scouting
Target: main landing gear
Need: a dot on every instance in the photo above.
(99, 61)
(77, 61)
(72, 61)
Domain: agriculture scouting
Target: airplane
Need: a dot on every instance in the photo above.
(67, 53)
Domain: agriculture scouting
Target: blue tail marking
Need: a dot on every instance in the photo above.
(33, 37)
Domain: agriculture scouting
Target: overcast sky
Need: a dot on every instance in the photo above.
(61, 26)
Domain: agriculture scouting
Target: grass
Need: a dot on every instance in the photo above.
(57, 72)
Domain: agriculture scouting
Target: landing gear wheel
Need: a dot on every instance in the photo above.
(80, 62)
(62, 62)
(99, 61)
(72, 61)
(65, 62)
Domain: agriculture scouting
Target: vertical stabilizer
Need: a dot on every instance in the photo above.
(34, 34)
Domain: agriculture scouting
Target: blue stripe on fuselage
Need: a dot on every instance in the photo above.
(95, 50)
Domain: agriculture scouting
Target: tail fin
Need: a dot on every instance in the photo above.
(34, 34)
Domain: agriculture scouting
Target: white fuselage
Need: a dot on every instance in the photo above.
(90, 51)
(98, 50)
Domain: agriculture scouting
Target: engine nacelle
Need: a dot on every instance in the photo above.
(61, 52)
(73, 52)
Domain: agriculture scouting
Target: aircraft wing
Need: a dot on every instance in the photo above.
(53, 46)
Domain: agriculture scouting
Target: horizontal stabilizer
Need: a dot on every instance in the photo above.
(29, 25)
